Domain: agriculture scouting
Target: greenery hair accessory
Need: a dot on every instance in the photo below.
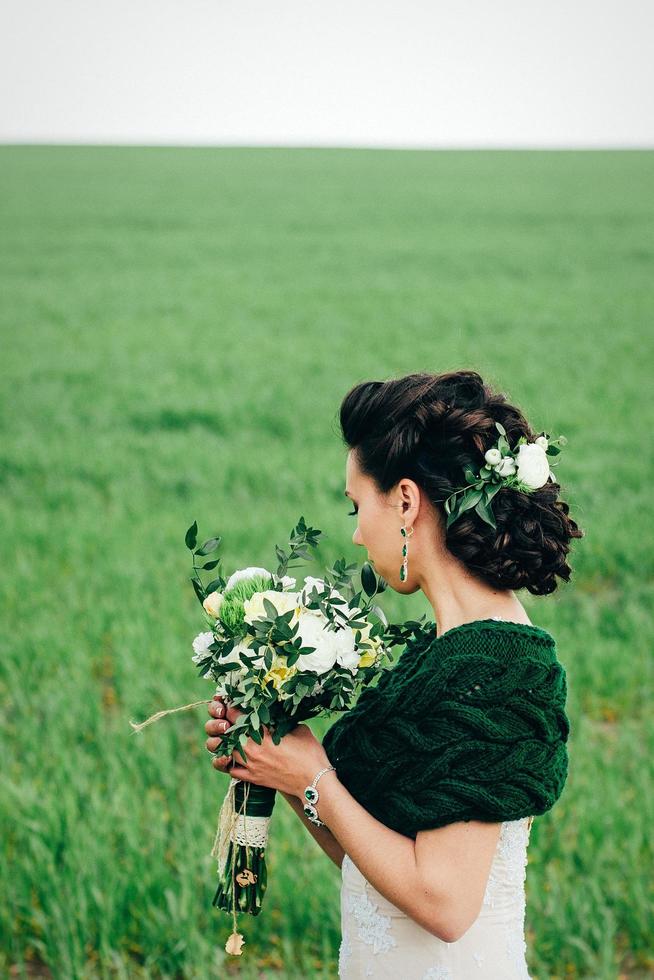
(525, 468)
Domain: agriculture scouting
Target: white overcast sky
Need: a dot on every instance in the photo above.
(341, 72)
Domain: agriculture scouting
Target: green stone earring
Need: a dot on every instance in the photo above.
(404, 567)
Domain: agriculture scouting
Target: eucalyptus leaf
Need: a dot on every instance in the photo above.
(191, 536)
(209, 545)
(368, 579)
(471, 499)
(485, 513)
(199, 591)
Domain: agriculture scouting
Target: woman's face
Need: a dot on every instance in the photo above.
(379, 521)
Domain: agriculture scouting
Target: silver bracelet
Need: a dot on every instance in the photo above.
(312, 796)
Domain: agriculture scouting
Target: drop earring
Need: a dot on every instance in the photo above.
(404, 567)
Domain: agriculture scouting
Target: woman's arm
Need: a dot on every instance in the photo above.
(388, 861)
(321, 835)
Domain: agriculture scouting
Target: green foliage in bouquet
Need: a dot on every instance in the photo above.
(264, 667)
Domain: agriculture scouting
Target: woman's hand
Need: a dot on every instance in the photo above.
(287, 767)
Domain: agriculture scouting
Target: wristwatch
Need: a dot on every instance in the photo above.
(312, 796)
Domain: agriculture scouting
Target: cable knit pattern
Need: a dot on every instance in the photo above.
(470, 725)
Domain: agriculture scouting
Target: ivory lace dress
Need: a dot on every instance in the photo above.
(380, 941)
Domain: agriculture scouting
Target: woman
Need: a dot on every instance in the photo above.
(426, 803)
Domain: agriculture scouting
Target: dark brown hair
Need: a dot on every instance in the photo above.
(430, 427)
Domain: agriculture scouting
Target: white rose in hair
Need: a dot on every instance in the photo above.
(312, 631)
(542, 441)
(507, 467)
(533, 465)
(492, 456)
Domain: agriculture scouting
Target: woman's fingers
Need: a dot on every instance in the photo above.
(217, 726)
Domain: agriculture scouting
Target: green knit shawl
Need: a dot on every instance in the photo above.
(470, 725)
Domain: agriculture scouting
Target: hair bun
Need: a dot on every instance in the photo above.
(431, 428)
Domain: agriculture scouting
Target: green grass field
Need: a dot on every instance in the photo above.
(178, 329)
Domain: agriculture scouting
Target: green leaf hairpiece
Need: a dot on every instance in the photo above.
(525, 468)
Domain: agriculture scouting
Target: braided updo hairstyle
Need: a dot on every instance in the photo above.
(430, 427)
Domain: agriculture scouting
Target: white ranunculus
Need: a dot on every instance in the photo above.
(311, 630)
(542, 441)
(288, 582)
(212, 603)
(507, 467)
(201, 645)
(533, 465)
(492, 456)
(244, 573)
(254, 608)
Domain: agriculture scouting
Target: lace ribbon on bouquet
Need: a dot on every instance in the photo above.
(237, 828)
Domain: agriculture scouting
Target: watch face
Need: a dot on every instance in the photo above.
(311, 794)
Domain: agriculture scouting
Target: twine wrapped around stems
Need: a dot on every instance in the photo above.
(139, 726)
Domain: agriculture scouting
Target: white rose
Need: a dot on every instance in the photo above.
(254, 608)
(212, 603)
(244, 573)
(507, 467)
(344, 643)
(288, 582)
(233, 657)
(312, 632)
(492, 456)
(240, 669)
(541, 441)
(201, 645)
(310, 582)
(533, 465)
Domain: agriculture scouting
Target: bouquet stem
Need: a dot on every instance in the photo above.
(240, 848)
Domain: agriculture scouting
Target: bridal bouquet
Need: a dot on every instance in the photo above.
(280, 654)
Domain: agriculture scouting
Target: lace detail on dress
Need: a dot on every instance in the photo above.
(344, 954)
(509, 868)
(374, 928)
(516, 949)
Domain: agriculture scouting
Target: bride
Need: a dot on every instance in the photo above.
(433, 873)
